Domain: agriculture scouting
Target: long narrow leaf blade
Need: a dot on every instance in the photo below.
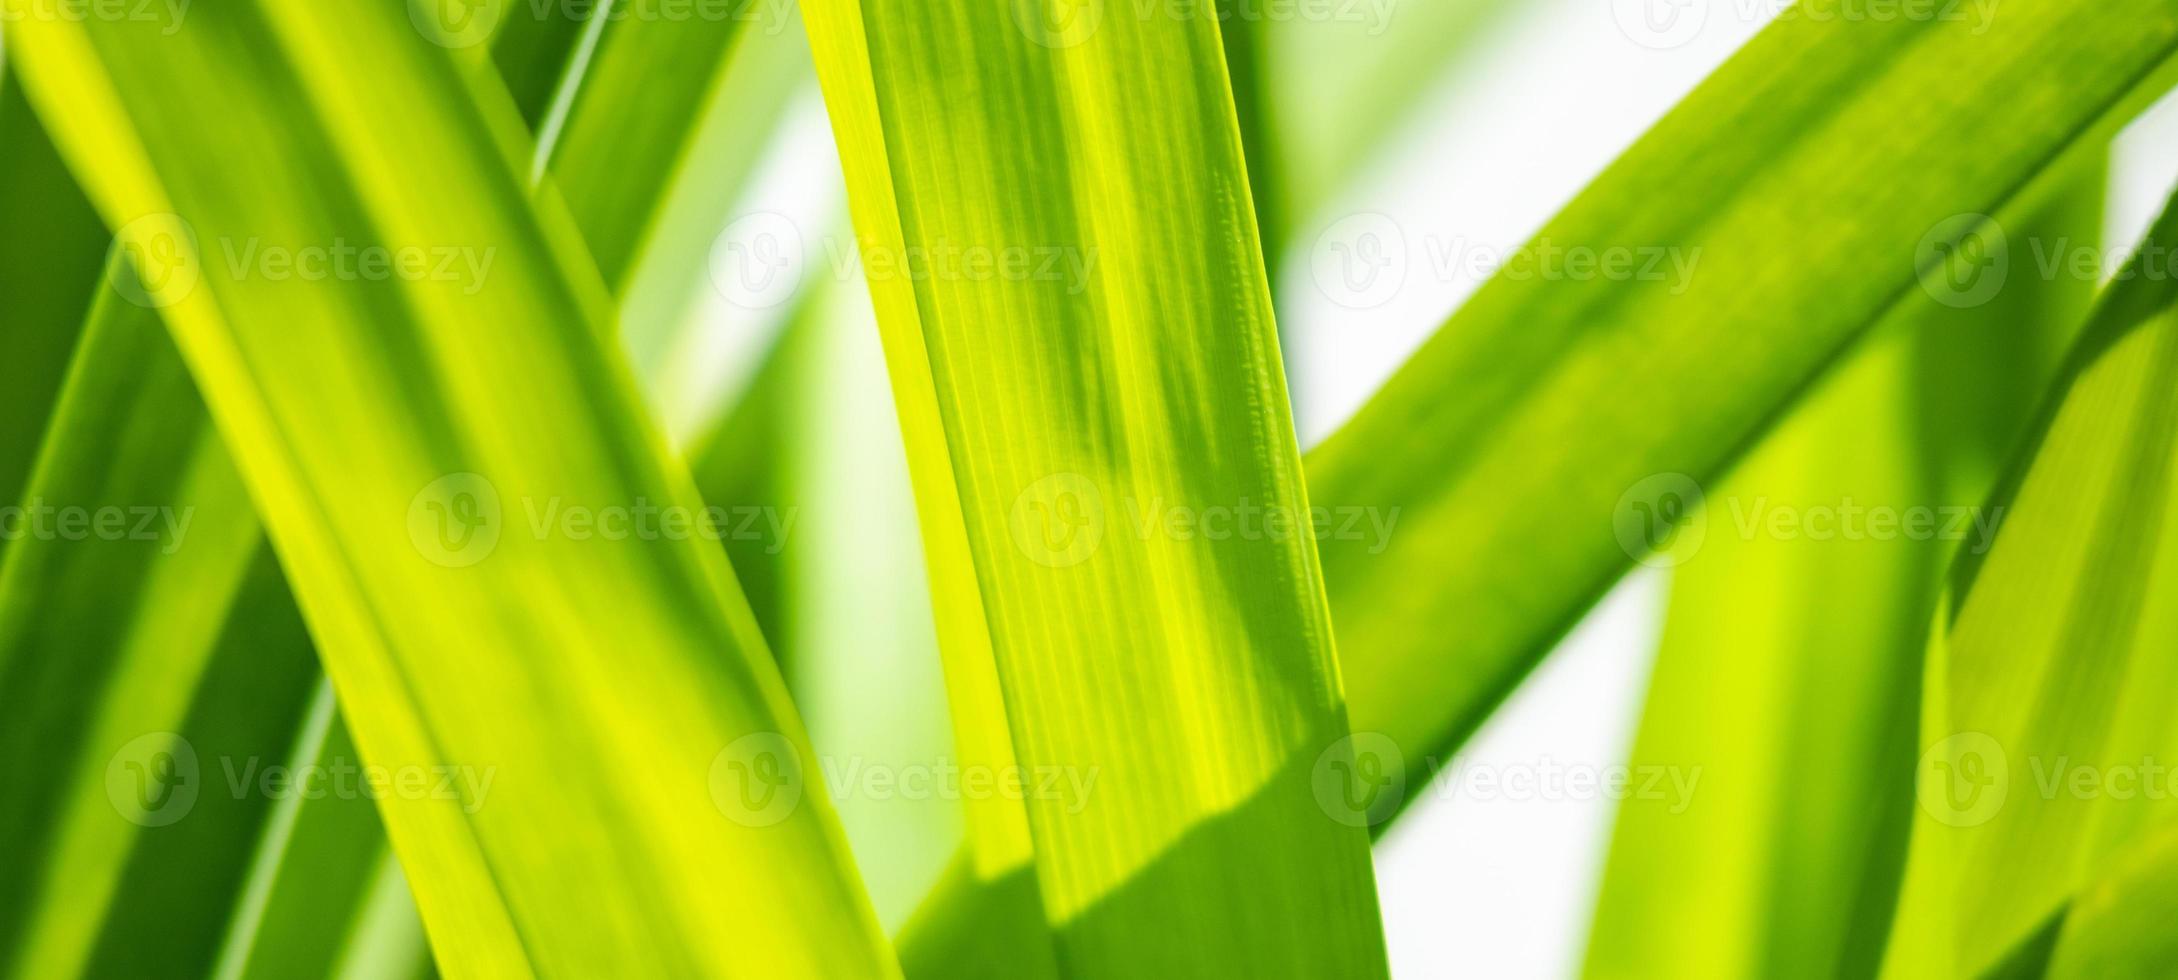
(1787, 684)
(1193, 675)
(1780, 209)
(604, 679)
(2044, 720)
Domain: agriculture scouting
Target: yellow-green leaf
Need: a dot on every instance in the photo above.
(1113, 359)
(610, 683)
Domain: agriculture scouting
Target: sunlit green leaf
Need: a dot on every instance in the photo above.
(1045, 412)
(49, 259)
(610, 716)
(1786, 687)
(1778, 210)
(2044, 728)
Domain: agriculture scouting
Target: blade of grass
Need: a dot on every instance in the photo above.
(636, 832)
(535, 47)
(1790, 664)
(49, 262)
(223, 679)
(319, 855)
(1806, 179)
(1193, 677)
(2051, 649)
(2120, 926)
(323, 867)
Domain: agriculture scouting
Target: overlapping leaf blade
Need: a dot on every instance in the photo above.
(1044, 412)
(1807, 172)
(2043, 723)
(1787, 682)
(635, 816)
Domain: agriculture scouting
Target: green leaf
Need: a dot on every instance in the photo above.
(325, 886)
(2043, 728)
(621, 135)
(1786, 687)
(125, 721)
(49, 261)
(1190, 677)
(603, 681)
(324, 874)
(1806, 173)
(535, 47)
(2119, 927)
